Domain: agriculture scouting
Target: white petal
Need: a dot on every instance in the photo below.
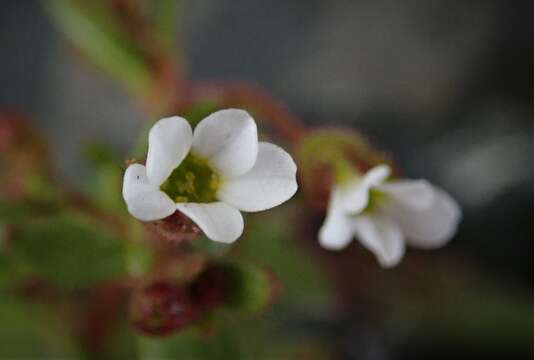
(337, 230)
(355, 195)
(169, 142)
(220, 222)
(269, 183)
(381, 236)
(229, 140)
(377, 175)
(144, 200)
(415, 194)
(425, 223)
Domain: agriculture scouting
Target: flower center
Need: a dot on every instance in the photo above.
(193, 181)
(376, 198)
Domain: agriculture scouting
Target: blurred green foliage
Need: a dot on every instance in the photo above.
(167, 18)
(270, 242)
(105, 187)
(31, 330)
(68, 250)
(89, 26)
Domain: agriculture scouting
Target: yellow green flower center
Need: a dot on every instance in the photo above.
(193, 181)
(376, 198)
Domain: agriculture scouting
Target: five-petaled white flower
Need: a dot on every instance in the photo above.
(209, 174)
(386, 215)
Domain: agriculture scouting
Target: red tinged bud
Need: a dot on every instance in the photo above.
(162, 308)
(321, 152)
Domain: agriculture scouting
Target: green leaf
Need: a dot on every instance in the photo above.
(168, 16)
(211, 248)
(100, 154)
(190, 345)
(232, 339)
(68, 250)
(4, 271)
(140, 148)
(91, 28)
(11, 212)
(269, 243)
(108, 188)
(10, 275)
(105, 187)
(16, 212)
(33, 331)
(138, 257)
(39, 188)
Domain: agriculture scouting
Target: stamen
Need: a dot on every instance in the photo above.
(193, 181)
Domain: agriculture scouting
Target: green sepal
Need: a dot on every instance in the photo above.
(248, 287)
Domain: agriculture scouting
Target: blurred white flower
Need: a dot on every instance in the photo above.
(209, 174)
(387, 215)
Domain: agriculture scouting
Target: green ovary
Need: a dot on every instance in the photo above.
(193, 181)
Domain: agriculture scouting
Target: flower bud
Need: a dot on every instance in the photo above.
(162, 308)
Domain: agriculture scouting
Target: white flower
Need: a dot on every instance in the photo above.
(387, 215)
(209, 174)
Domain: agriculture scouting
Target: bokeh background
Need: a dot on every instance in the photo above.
(445, 87)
